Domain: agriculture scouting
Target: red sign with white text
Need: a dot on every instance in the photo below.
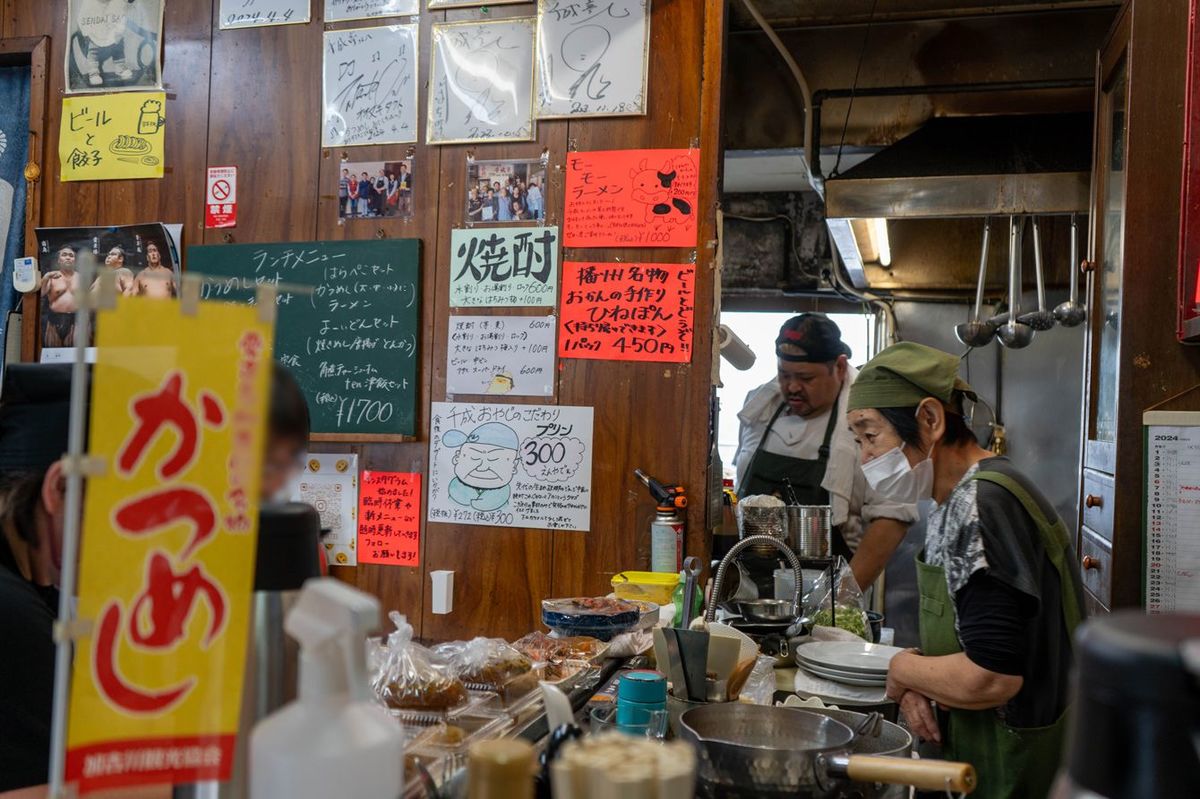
(389, 518)
(220, 199)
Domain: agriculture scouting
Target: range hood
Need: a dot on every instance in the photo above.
(972, 166)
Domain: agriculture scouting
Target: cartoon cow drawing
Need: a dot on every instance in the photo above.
(657, 190)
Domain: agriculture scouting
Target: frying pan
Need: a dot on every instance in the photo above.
(759, 751)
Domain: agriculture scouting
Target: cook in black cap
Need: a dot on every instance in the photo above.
(794, 444)
(33, 439)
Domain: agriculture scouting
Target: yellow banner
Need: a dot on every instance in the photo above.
(168, 542)
(112, 136)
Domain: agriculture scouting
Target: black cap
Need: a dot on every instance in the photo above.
(288, 536)
(34, 416)
(810, 338)
(1136, 705)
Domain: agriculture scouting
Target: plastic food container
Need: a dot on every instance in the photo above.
(656, 587)
(596, 617)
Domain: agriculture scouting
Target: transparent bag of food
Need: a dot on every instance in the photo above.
(410, 677)
(489, 664)
(838, 603)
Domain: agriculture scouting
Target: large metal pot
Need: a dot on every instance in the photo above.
(887, 740)
(767, 752)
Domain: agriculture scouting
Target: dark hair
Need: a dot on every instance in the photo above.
(905, 422)
(20, 493)
(289, 410)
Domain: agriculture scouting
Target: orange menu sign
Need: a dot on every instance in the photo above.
(631, 198)
(167, 564)
(389, 518)
(627, 312)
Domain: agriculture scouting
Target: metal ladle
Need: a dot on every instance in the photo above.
(1071, 313)
(1014, 333)
(979, 332)
(1041, 319)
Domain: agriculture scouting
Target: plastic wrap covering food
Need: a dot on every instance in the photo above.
(850, 611)
(410, 677)
(597, 617)
(548, 649)
(489, 664)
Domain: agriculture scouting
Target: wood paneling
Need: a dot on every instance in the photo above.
(252, 98)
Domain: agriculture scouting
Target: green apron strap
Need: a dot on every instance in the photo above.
(1054, 540)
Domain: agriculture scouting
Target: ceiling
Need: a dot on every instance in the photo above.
(785, 13)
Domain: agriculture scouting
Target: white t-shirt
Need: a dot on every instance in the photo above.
(102, 21)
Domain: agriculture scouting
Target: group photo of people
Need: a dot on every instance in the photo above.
(138, 256)
(506, 191)
(374, 189)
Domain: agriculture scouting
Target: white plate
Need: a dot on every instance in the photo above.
(880, 673)
(850, 655)
(847, 679)
(832, 692)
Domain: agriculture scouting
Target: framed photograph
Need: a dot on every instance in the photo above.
(143, 257)
(375, 190)
(434, 4)
(113, 45)
(481, 82)
(505, 192)
(340, 10)
(592, 64)
(262, 13)
(370, 86)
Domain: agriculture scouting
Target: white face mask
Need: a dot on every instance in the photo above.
(891, 476)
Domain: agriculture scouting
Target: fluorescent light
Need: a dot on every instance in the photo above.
(883, 246)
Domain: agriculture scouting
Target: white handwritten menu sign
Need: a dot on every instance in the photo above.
(258, 13)
(347, 325)
(370, 86)
(511, 355)
(511, 465)
(1172, 514)
(503, 267)
(481, 82)
(592, 58)
(337, 10)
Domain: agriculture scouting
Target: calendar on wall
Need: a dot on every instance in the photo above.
(1172, 511)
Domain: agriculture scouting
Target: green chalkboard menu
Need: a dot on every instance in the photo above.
(348, 314)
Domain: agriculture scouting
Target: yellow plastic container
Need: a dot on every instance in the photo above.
(656, 587)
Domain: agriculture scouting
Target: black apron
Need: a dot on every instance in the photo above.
(770, 473)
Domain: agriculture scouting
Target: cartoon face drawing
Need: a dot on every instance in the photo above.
(485, 466)
(651, 186)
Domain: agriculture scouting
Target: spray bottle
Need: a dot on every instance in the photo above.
(667, 528)
(333, 740)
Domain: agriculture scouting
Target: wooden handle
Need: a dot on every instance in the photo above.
(1091, 563)
(1093, 501)
(1087, 266)
(927, 775)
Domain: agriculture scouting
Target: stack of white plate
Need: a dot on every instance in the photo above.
(847, 662)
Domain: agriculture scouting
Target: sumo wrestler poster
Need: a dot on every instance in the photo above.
(511, 465)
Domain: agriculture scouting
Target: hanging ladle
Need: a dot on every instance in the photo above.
(979, 332)
(1041, 319)
(1014, 334)
(1071, 313)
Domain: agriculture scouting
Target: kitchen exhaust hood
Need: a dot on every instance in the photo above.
(972, 166)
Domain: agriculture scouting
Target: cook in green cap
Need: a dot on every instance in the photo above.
(1000, 597)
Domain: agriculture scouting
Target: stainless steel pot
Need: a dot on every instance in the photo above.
(760, 751)
(887, 740)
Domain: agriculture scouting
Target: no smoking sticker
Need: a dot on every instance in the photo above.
(220, 202)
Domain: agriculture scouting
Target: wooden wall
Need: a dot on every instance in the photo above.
(251, 98)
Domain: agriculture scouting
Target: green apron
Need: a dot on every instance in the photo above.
(770, 473)
(1011, 763)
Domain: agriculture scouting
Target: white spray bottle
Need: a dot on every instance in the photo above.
(333, 741)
